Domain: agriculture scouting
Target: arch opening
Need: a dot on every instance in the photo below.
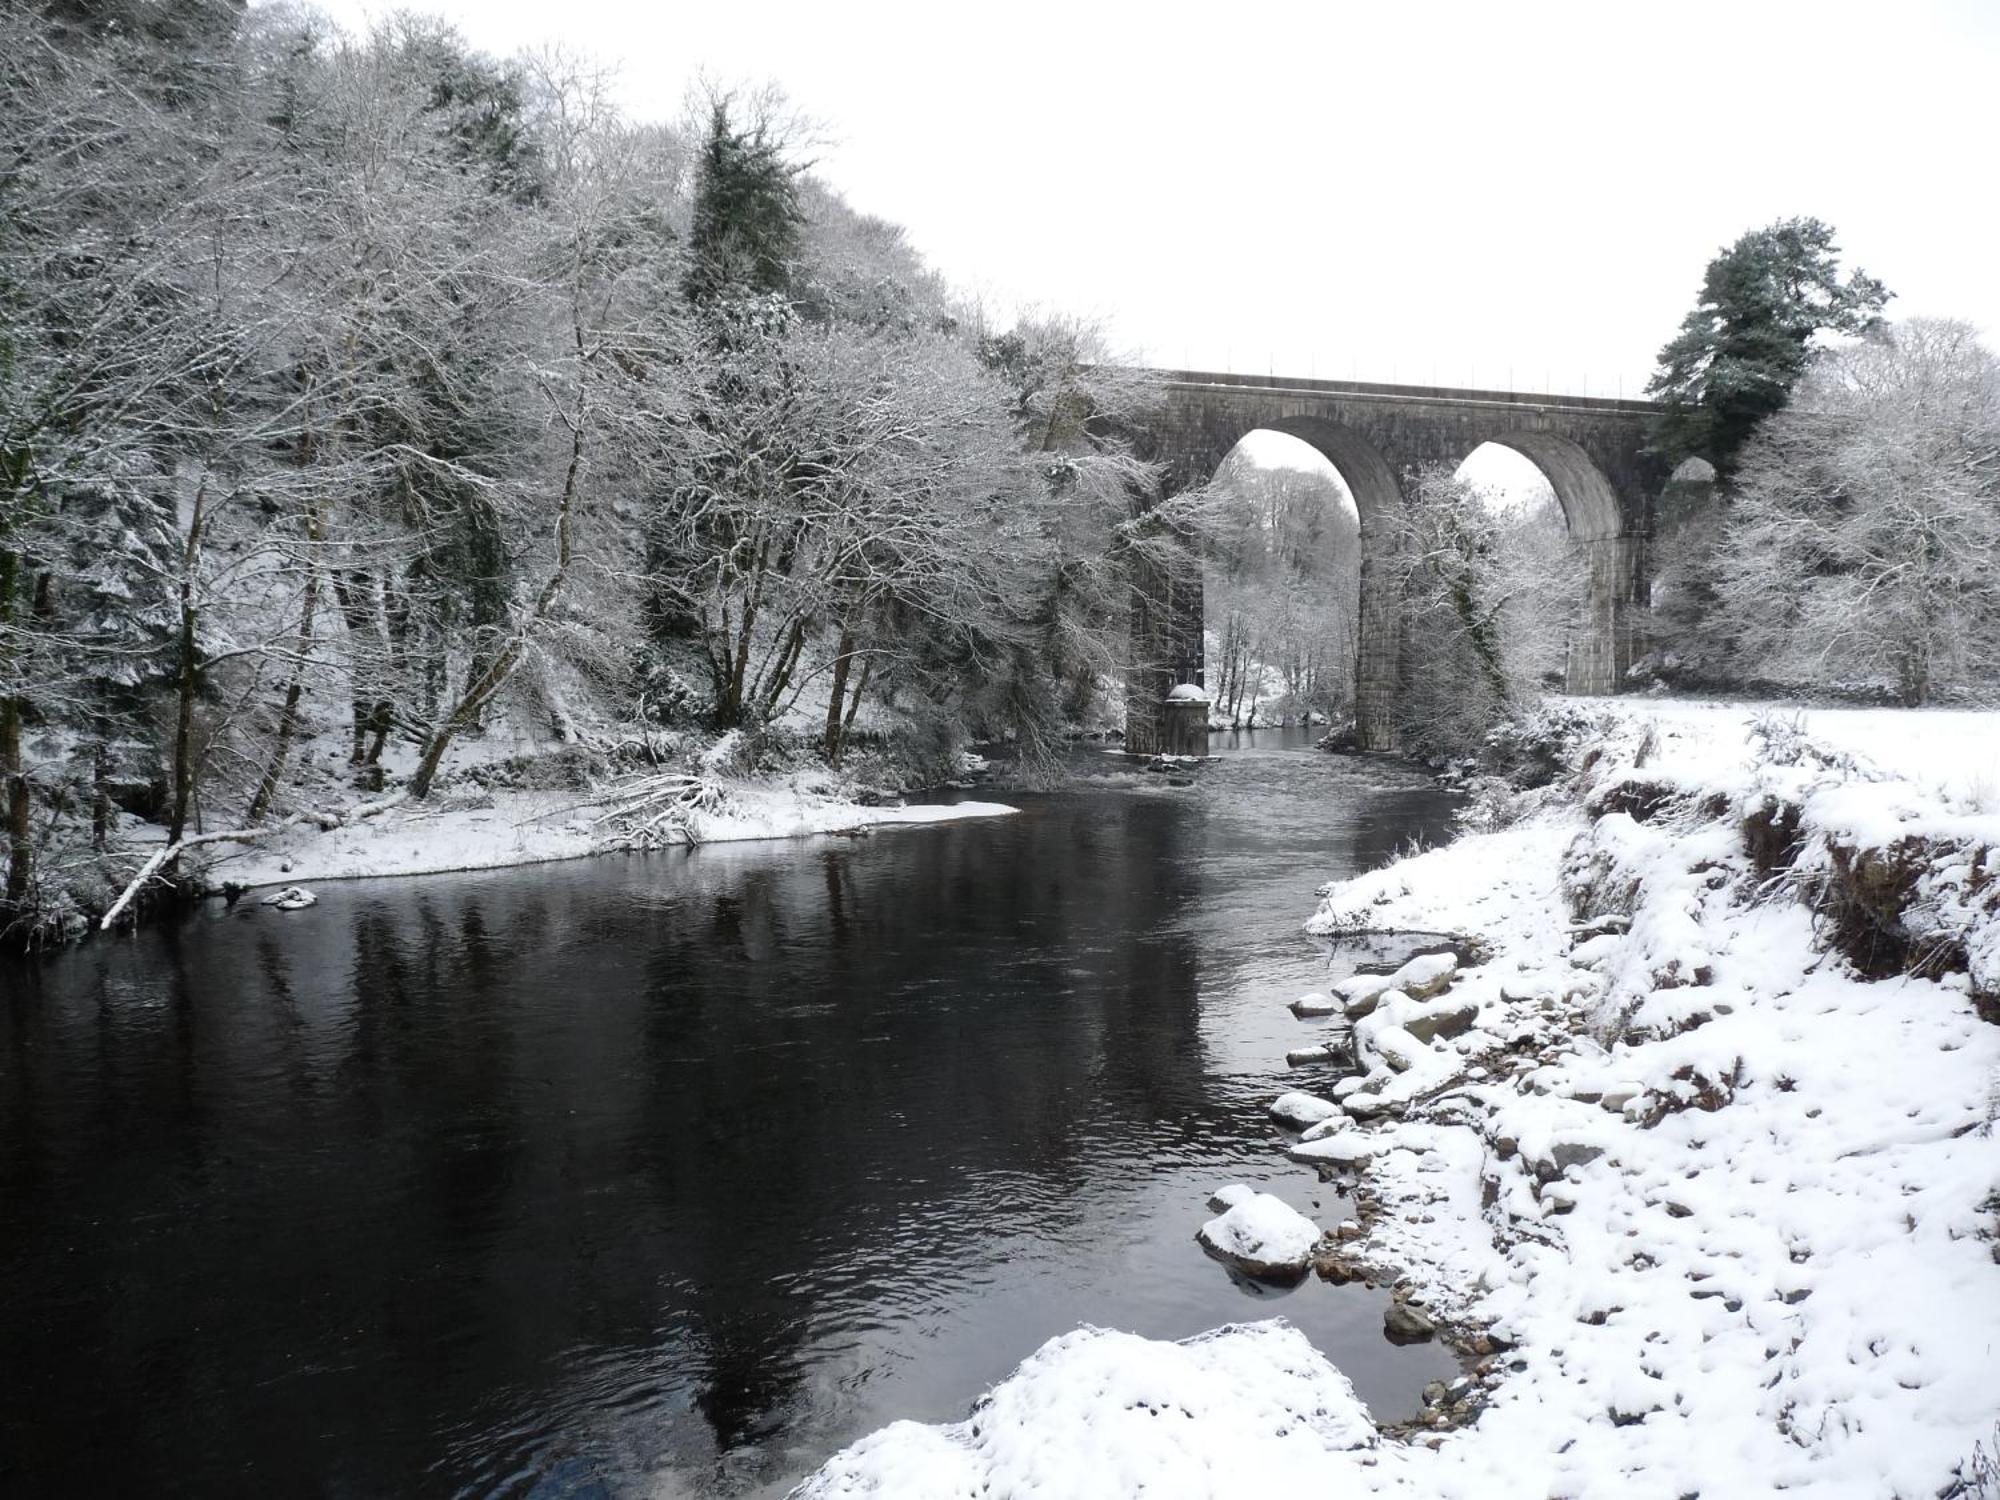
(1574, 567)
(1280, 586)
(1328, 646)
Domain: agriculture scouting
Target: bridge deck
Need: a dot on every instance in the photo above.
(1363, 390)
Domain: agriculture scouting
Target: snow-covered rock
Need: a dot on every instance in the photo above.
(291, 898)
(1250, 1410)
(1314, 1004)
(1362, 993)
(1396, 1047)
(1343, 1148)
(1426, 975)
(1442, 1020)
(1322, 1052)
(1261, 1235)
(1298, 1109)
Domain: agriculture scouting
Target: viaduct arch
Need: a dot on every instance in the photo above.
(1377, 436)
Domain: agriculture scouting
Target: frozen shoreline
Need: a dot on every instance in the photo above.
(1715, 1214)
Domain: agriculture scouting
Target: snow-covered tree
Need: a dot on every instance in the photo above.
(1485, 595)
(367, 391)
(1863, 538)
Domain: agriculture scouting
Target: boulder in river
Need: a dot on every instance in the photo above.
(291, 898)
(1360, 994)
(1298, 1110)
(1262, 1236)
(1344, 1148)
(1303, 1057)
(1404, 1324)
(1317, 1003)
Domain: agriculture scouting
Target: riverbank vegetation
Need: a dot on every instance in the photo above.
(367, 404)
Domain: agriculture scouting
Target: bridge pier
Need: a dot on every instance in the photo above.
(1612, 633)
(1168, 649)
(1378, 656)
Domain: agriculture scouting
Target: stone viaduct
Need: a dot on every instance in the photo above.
(1591, 449)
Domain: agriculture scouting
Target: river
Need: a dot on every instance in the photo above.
(665, 1174)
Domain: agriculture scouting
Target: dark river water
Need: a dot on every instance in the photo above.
(667, 1174)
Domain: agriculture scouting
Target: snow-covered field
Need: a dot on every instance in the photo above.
(1952, 751)
(1711, 1213)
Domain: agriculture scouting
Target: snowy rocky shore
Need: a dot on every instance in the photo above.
(1686, 1142)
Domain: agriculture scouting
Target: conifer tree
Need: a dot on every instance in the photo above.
(1748, 339)
(745, 231)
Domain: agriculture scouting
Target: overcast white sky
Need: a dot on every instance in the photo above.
(1504, 194)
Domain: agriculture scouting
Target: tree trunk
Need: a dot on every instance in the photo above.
(836, 699)
(854, 703)
(481, 690)
(188, 676)
(20, 829)
(353, 610)
(100, 790)
(288, 716)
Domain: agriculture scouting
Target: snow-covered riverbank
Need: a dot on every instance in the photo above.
(1711, 1210)
(482, 830)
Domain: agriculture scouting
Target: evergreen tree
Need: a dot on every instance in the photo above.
(747, 220)
(1748, 339)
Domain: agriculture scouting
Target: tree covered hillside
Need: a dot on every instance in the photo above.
(372, 393)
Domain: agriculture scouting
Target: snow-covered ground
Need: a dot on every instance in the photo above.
(1714, 1214)
(1953, 751)
(489, 830)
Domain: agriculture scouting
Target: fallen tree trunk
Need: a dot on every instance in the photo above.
(172, 851)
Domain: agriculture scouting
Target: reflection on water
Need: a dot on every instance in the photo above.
(662, 1174)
